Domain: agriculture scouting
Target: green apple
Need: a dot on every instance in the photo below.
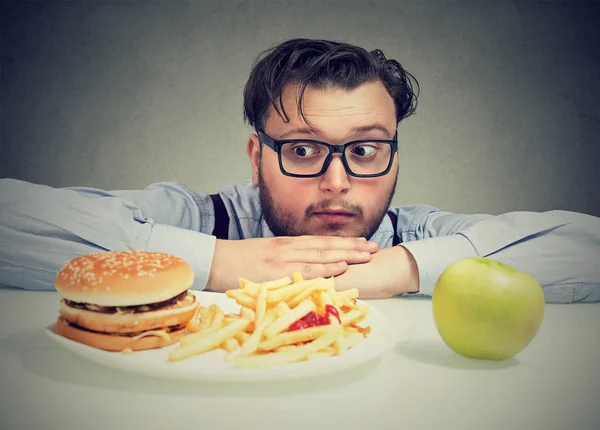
(485, 309)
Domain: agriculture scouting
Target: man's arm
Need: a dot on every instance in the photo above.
(560, 249)
(42, 227)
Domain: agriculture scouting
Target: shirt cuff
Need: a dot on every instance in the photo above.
(194, 247)
(434, 255)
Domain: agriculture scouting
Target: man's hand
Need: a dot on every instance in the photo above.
(265, 259)
(390, 272)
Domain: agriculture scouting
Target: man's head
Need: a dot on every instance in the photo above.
(311, 91)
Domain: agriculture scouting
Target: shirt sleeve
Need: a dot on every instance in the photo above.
(560, 249)
(42, 227)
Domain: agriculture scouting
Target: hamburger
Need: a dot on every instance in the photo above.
(124, 300)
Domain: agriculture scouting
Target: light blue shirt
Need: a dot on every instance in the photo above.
(41, 228)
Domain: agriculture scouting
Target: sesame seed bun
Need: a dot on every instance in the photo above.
(123, 278)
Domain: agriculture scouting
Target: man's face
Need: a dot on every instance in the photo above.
(335, 203)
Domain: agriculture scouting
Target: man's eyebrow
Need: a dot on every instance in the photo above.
(301, 130)
(360, 129)
(371, 127)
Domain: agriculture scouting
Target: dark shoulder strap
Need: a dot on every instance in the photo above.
(221, 217)
(394, 219)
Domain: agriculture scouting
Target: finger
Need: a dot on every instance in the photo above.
(311, 271)
(335, 242)
(325, 256)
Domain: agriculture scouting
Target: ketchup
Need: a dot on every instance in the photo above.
(312, 319)
(333, 311)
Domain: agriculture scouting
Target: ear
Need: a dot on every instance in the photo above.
(253, 150)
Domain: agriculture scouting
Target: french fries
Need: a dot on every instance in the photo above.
(281, 321)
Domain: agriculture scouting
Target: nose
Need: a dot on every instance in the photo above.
(335, 178)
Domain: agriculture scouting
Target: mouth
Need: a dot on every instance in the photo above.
(334, 216)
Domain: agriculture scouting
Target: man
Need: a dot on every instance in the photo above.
(324, 170)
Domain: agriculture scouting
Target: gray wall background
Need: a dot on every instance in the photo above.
(121, 94)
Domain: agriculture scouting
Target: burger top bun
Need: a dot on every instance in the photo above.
(123, 278)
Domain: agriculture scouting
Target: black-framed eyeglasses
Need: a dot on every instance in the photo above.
(306, 158)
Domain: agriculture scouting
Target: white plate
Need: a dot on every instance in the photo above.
(211, 366)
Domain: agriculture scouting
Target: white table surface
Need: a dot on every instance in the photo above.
(419, 384)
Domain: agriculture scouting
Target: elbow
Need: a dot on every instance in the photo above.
(19, 277)
(573, 293)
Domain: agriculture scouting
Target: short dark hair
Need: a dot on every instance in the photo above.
(322, 63)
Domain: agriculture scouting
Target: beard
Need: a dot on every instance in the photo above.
(284, 223)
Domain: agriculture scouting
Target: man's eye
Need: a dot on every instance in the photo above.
(364, 150)
(304, 150)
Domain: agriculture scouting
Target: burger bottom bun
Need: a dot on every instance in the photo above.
(173, 315)
(115, 342)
